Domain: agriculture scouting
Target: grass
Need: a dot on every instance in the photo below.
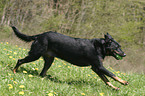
(63, 79)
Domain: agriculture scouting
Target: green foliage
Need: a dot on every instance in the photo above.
(123, 19)
(125, 30)
(5, 32)
(53, 23)
(2, 6)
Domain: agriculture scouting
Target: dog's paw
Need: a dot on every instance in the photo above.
(117, 89)
(14, 71)
(126, 83)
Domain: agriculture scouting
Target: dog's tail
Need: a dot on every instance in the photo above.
(24, 37)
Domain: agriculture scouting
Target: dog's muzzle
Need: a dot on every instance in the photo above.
(121, 54)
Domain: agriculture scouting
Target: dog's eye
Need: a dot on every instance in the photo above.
(114, 48)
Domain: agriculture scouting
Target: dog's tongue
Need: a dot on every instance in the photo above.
(119, 57)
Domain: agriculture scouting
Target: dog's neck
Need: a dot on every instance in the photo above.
(104, 50)
(100, 47)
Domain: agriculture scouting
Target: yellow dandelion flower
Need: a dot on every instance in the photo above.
(14, 59)
(24, 71)
(54, 92)
(41, 59)
(19, 48)
(59, 66)
(24, 49)
(9, 74)
(7, 42)
(11, 78)
(22, 86)
(36, 69)
(68, 67)
(64, 63)
(34, 63)
(89, 75)
(50, 94)
(93, 73)
(8, 54)
(95, 77)
(10, 51)
(83, 94)
(21, 92)
(10, 86)
(10, 57)
(101, 94)
(15, 82)
(30, 75)
(118, 72)
(111, 68)
(16, 45)
(5, 49)
(56, 58)
(123, 73)
(15, 53)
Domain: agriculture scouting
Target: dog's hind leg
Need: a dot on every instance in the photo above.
(47, 64)
(27, 59)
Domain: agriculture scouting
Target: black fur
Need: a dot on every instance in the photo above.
(77, 51)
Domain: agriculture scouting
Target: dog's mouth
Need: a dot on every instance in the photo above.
(118, 55)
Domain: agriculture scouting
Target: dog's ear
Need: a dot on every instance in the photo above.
(108, 34)
(107, 37)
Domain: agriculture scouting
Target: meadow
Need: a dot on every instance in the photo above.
(63, 79)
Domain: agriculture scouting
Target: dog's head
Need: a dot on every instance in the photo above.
(113, 48)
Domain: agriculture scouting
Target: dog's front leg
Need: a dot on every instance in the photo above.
(120, 80)
(104, 78)
(110, 74)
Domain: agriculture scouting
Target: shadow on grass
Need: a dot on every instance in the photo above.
(55, 79)
(72, 82)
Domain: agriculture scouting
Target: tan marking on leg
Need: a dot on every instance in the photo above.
(120, 80)
(108, 83)
(14, 70)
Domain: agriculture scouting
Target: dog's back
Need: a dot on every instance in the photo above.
(73, 50)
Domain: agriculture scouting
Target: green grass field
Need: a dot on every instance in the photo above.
(63, 79)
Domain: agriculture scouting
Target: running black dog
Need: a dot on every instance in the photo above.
(77, 51)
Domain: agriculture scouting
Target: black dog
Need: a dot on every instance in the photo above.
(80, 52)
